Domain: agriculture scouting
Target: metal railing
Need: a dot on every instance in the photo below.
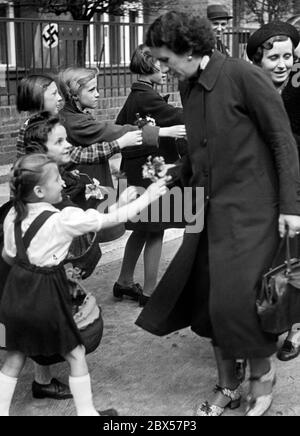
(34, 46)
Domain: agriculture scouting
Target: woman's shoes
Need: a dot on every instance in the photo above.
(109, 412)
(143, 300)
(288, 351)
(258, 406)
(234, 397)
(134, 292)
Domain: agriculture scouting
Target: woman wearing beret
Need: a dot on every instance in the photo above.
(242, 151)
(272, 48)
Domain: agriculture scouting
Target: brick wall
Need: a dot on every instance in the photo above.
(10, 122)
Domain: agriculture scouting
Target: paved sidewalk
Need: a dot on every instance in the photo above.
(137, 373)
(142, 375)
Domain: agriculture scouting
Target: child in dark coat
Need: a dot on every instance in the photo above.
(145, 101)
(80, 89)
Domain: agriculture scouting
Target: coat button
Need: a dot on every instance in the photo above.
(205, 142)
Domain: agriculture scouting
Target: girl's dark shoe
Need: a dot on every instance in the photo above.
(143, 300)
(234, 402)
(109, 412)
(56, 390)
(134, 292)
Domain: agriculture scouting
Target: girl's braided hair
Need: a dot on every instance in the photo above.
(28, 172)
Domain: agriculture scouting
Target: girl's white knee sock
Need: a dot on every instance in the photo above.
(82, 393)
(7, 389)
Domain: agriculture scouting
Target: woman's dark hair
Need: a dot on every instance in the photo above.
(37, 132)
(142, 61)
(31, 92)
(182, 33)
(28, 172)
(268, 45)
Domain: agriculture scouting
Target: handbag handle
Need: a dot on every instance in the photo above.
(285, 240)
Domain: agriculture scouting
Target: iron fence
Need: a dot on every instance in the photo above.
(35, 46)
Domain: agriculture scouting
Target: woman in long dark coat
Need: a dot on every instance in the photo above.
(272, 47)
(145, 101)
(242, 151)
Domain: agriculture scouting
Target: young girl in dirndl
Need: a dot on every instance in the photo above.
(36, 306)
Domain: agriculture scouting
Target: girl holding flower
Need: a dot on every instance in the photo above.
(145, 105)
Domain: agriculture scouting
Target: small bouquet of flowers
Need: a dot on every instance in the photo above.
(93, 189)
(144, 121)
(154, 169)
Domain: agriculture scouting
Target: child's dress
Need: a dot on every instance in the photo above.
(144, 100)
(36, 307)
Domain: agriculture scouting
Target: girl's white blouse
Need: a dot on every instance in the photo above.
(51, 244)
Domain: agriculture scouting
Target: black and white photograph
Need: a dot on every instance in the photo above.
(149, 210)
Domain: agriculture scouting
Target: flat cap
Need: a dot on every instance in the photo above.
(217, 12)
(269, 30)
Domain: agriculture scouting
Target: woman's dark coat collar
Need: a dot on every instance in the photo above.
(209, 76)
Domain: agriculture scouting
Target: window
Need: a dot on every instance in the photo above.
(7, 35)
(3, 34)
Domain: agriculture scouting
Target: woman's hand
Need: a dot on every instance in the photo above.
(131, 139)
(157, 189)
(292, 222)
(173, 132)
(130, 194)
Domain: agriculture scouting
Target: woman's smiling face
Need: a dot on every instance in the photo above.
(279, 61)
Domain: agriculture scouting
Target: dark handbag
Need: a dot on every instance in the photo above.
(278, 304)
